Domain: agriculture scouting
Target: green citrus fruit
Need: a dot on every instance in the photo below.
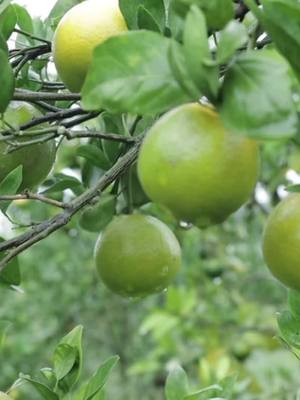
(37, 160)
(137, 255)
(81, 29)
(281, 241)
(193, 166)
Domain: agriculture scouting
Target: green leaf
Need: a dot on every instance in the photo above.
(100, 377)
(231, 39)
(197, 54)
(49, 374)
(146, 21)
(131, 9)
(94, 155)
(177, 386)
(7, 81)
(95, 218)
(73, 339)
(8, 20)
(205, 393)
(139, 79)
(285, 35)
(217, 12)
(64, 359)
(289, 328)
(62, 182)
(180, 71)
(42, 389)
(11, 275)
(10, 186)
(3, 44)
(3, 5)
(24, 19)
(257, 98)
(294, 303)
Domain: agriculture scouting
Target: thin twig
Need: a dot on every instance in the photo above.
(34, 196)
(32, 36)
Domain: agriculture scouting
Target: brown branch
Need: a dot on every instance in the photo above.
(46, 228)
(34, 196)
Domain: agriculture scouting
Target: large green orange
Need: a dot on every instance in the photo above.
(191, 164)
(37, 160)
(281, 241)
(81, 29)
(137, 255)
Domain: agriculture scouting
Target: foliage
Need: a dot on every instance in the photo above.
(217, 319)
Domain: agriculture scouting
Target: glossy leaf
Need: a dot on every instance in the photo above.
(289, 328)
(94, 155)
(7, 81)
(64, 359)
(95, 218)
(131, 10)
(10, 186)
(177, 384)
(231, 39)
(197, 54)
(257, 98)
(139, 79)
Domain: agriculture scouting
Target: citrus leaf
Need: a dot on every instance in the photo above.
(11, 275)
(7, 81)
(177, 384)
(231, 39)
(100, 377)
(73, 339)
(131, 9)
(42, 389)
(197, 54)
(289, 328)
(64, 359)
(139, 79)
(8, 20)
(294, 303)
(10, 186)
(285, 36)
(257, 98)
(94, 155)
(95, 218)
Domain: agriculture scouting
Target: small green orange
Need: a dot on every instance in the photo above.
(281, 241)
(192, 165)
(36, 160)
(137, 255)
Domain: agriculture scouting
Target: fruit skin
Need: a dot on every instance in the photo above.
(137, 255)
(37, 160)
(81, 29)
(192, 165)
(281, 241)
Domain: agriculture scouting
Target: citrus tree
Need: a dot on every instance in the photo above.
(163, 110)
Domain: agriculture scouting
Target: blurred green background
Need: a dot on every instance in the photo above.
(218, 319)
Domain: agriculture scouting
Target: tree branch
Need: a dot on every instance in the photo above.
(46, 228)
(34, 196)
(28, 95)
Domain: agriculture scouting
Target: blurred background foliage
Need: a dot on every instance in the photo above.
(218, 319)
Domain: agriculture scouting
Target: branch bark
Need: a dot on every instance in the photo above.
(28, 95)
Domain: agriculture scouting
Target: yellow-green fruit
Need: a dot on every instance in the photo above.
(137, 255)
(37, 160)
(81, 29)
(192, 165)
(281, 241)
